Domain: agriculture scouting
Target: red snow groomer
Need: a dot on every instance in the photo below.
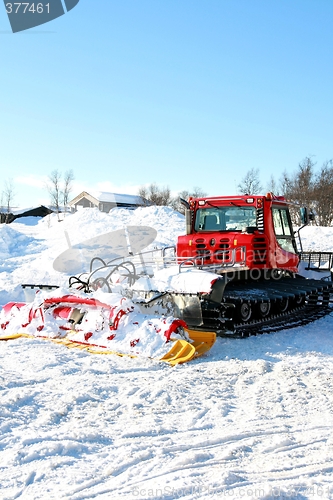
(249, 241)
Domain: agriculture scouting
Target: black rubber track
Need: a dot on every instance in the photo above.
(291, 319)
(308, 300)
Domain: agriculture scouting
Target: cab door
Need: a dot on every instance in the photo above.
(286, 250)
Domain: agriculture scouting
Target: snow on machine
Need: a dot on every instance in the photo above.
(103, 324)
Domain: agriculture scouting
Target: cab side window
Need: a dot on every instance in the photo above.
(283, 229)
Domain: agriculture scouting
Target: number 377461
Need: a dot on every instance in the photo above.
(27, 8)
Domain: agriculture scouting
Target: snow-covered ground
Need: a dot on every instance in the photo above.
(252, 418)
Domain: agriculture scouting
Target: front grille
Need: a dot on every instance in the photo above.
(259, 251)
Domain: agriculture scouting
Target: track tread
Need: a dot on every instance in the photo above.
(291, 319)
(318, 296)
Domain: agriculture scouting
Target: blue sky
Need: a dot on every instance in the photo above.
(183, 93)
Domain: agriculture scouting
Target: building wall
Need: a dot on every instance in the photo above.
(105, 206)
(83, 203)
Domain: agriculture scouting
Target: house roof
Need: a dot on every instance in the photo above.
(41, 210)
(120, 198)
(117, 198)
(84, 194)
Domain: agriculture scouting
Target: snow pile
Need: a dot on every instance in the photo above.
(43, 243)
(13, 243)
(317, 239)
(168, 223)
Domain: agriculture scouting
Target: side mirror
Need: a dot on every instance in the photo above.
(303, 211)
(184, 202)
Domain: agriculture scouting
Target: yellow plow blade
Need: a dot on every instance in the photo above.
(202, 341)
(13, 336)
(180, 352)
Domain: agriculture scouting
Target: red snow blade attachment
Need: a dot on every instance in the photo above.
(107, 324)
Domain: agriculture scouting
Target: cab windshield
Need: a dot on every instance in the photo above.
(225, 218)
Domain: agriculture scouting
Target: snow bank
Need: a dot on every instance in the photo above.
(317, 239)
(43, 243)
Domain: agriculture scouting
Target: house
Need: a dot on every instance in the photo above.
(106, 201)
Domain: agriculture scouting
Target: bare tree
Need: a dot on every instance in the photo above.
(7, 197)
(67, 187)
(59, 190)
(162, 196)
(54, 189)
(307, 188)
(156, 195)
(196, 193)
(323, 194)
(286, 185)
(273, 186)
(303, 185)
(299, 188)
(250, 184)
